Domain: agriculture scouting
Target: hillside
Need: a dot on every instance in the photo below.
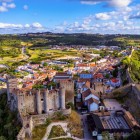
(9, 126)
(134, 65)
(45, 39)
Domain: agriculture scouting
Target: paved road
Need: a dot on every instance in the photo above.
(87, 133)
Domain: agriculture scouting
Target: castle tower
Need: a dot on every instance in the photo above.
(38, 102)
(46, 106)
(62, 97)
(11, 84)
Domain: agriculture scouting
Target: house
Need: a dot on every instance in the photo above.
(85, 94)
(102, 61)
(62, 76)
(115, 82)
(92, 104)
(98, 77)
(109, 89)
(94, 55)
(111, 124)
(81, 82)
(86, 75)
(89, 94)
(91, 100)
(82, 66)
(82, 85)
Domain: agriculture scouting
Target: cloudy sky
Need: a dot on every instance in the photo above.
(70, 16)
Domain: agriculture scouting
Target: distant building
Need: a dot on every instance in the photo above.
(121, 122)
(86, 75)
(62, 76)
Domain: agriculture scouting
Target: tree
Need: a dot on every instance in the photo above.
(107, 76)
(115, 72)
(71, 105)
(2, 138)
(45, 64)
(134, 136)
(105, 135)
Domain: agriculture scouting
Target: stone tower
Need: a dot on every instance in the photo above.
(11, 84)
(46, 106)
(38, 102)
(62, 97)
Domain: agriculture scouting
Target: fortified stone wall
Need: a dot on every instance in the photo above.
(129, 76)
(39, 101)
(119, 92)
(3, 90)
(69, 88)
(36, 120)
(68, 85)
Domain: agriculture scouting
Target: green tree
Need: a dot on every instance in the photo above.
(105, 135)
(134, 136)
(2, 138)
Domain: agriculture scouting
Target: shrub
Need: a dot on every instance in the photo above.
(48, 121)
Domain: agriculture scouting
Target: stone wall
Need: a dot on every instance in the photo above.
(3, 90)
(122, 91)
(35, 120)
(129, 76)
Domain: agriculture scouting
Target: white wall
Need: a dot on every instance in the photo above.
(93, 107)
(91, 96)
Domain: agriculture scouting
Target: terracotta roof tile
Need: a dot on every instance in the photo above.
(99, 75)
(114, 80)
(86, 93)
(92, 100)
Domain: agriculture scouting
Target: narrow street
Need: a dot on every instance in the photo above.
(87, 133)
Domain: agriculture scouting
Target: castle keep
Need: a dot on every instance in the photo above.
(37, 101)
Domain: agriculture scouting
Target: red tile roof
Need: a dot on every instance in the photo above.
(86, 93)
(92, 100)
(83, 65)
(114, 80)
(62, 74)
(99, 75)
(92, 64)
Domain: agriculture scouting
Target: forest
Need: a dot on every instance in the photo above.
(46, 39)
(9, 126)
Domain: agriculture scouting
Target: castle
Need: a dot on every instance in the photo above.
(37, 101)
(35, 105)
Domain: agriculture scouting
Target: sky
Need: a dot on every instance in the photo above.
(70, 16)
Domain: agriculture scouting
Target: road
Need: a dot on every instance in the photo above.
(87, 133)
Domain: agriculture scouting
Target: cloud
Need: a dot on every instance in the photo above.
(20, 28)
(111, 3)
(119, 3)
(6, 6)
(89, 2)
(6, 0)
(135, 16)
(8, 26)
(12, 5)
(3, 9)
(25, 7)
(27, 25)
(36, 25)
(102, 16)
(87, 20)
